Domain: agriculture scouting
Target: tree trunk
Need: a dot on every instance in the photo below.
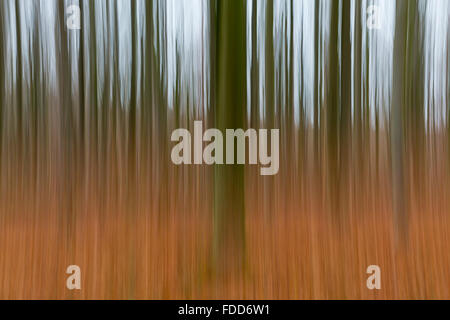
(333, 98)
(2, 78)
(254, 71)
(19, 92)
(398, 198)
(229, 209)
(345, 110)
(270, 100)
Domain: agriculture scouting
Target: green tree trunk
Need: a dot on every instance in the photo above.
(19, 89)
(229, 207)
(345, 142)
(147, 112)
(270, 99)
(81, 94)
(333, 100)
(398, 197)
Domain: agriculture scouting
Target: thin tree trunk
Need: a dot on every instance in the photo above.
(345, 110)
(254, 72)
(333, 111)
(19, 90)
(2, 79)
(359, 174)
(81, 95)
(399, 207)
(93, 105)
(317, 101)
(269, 206)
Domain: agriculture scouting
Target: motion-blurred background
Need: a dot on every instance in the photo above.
(359, 91)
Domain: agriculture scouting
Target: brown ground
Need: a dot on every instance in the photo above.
(150, 244)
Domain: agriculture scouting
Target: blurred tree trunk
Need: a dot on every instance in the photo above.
(414, 106)
(116, 103)
(269, 67)
(399, 208)
(333, 105)
(317, 100)
(291, 91)
(290, 117)
(447, 97)
(93, 101)
(2, 78)
(159, 77)
(359, 174)
(132, 151)
(163, 105)
(254, 71)
(81, 94)
(254, 98)
(212, 6)
(269, 114)
(291, 72)
(67, 130)
(133, 97)
(345, 142)
(147, 107)
(19, 89)
(65, 89)
(36, 92)
(366, 144)
(105, 103)
(229, 207)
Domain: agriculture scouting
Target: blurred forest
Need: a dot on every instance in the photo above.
(86, 177)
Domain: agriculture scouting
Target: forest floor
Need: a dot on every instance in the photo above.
(286, 257)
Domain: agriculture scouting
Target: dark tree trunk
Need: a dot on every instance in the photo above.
(229, 208)
(399, 206)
